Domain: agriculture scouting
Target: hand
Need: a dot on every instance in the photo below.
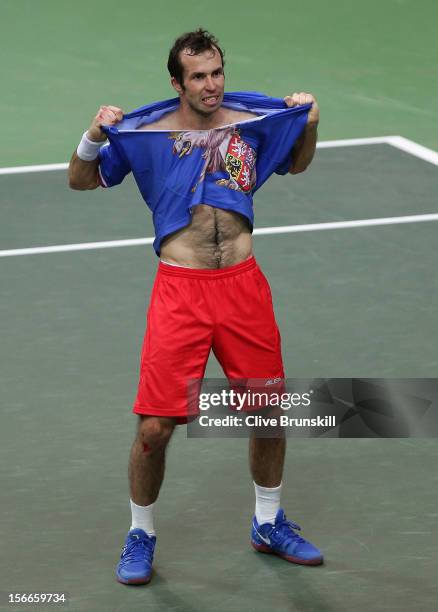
(107, 115)
(297, 99)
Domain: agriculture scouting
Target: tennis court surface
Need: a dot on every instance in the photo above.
(352, 299)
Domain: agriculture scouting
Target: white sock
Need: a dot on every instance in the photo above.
(267, 503)
(142, 518)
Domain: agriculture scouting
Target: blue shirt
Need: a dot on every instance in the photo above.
(222, 167)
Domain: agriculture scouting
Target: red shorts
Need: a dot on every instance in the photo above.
(193, 311)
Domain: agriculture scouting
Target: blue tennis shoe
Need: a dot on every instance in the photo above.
(282, 540)
(135, 565)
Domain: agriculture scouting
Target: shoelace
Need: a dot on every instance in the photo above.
(129, 554)
(285, 530)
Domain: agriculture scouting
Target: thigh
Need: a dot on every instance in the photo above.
(247, 340)
(175, 349)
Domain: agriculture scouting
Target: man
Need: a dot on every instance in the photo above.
(197, 162)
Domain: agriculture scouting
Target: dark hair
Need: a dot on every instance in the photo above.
(198, 41)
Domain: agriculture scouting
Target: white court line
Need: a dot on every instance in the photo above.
(26, 169)
(81, 246)
(313, 227)
(262, 231)
(398, 142)
(352, 142)
(409, 146)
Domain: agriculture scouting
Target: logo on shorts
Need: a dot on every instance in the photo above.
(272, 381)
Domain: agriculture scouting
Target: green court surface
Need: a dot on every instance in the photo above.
(355, 301)
(348, 301)
(371, 65)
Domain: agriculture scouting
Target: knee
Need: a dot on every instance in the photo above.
(155, 432)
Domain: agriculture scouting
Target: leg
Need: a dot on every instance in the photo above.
(146, 469)
(175, 350)
(266, 459)
(146, 472)
(248, 346)
(271, 532)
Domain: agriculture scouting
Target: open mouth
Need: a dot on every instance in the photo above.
(210, 100)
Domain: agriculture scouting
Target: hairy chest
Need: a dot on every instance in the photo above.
(214, 225)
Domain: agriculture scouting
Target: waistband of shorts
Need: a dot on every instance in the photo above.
(207, 273)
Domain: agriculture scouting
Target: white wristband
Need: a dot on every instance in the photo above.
(88, 150)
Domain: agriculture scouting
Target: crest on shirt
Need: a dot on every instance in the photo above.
(240, 162)
(224, 151)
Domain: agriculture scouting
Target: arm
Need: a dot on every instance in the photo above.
(84, 174)
(305, 146)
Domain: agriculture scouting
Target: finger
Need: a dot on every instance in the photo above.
(112, 116)
(308, 98)
(109, 114)
(107, 117)
(289, 101)
(102, 117)
(117, 111)
(101, 113)
(293, 99)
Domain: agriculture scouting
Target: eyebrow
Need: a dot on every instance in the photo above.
(201, 74)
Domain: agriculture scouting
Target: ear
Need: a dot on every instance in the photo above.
(177, 86)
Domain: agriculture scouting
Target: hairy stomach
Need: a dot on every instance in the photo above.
(215, 238)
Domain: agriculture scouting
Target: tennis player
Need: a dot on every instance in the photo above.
(198, 159)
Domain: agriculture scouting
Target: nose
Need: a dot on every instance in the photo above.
(209, 84)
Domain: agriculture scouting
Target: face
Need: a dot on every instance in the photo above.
(203, 85)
